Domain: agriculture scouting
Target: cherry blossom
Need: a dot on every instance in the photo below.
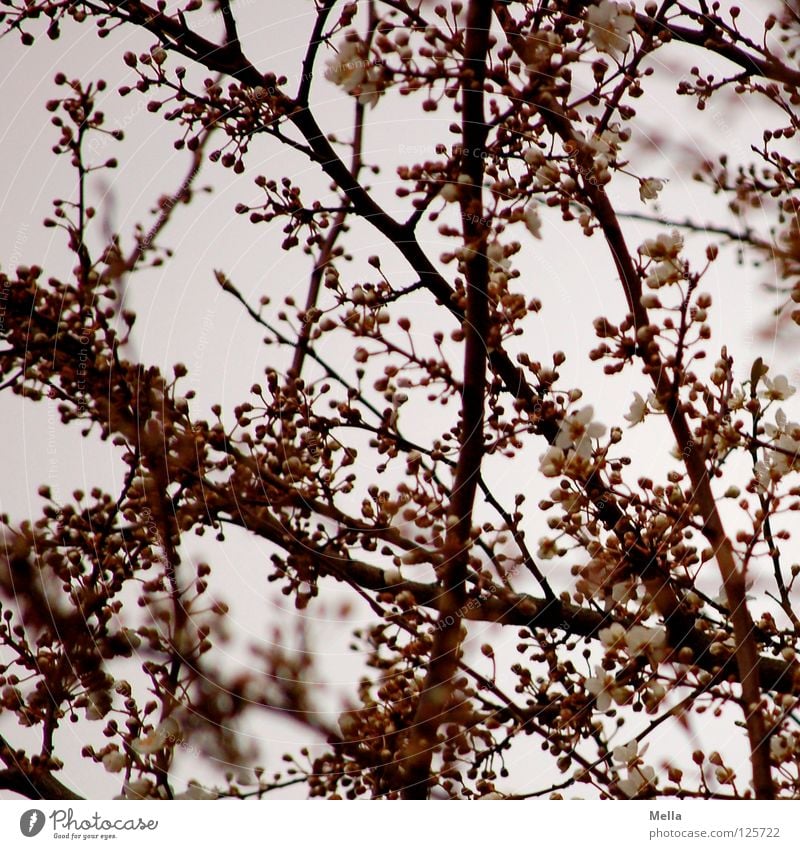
(649, 189)
(666, 246)
(610, 26)
(613, 636)
(577, 431)
(348, 68)
(628, 752)
(605, 689)
(114, 761)
(777, 388)
(552, 462)
(664, 273)
(639, 779)
(650, 641)
(637, 411)
(351, 70)
(540, 47)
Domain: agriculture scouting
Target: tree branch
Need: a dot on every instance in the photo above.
(417, 751)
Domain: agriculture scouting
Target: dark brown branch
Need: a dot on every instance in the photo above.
(32, 782)
(716, 43)
(416, 753)
(311, 52)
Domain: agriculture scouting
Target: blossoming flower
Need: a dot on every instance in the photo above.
(664, 246)
(149, 744)
(139, 788)
(737, 399)
(539, 49)
(628, 752)
(551, 463)
(599, 685)
(649, 189)
(639, 779)
(577, 431)
(348, 68)
(664, 273)
(624, 591)
(613, 636)
(610, 27)
(167, 731)
(351, 70)
(637, 411)
(605, 689)
(650, 641)
(533, 156)
(609, 142)
(546, 175)
(780, 747)
(778, 388)
(785, 457)
(114, 761)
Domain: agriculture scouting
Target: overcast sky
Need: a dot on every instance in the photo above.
(183, 316)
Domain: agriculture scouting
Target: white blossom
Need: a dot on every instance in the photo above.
(577, 431)
(650, 641)
(605, 689)
(649, 189)
(167, 731)
(539, 49)
(496, 253)
(351, 70)
(737, 400)
(778, 388)
(624, 591)
(149, 744)
(626, 753)
(114, 761)
(639, 778)
(785, 457)
(663, 273)
(610, 27)
(551, 463)
(664, 246)
(369, 94)
(637, 411)
(613, 636)
(348, 68)
(139, 788)
(532, 221)
(780, 747)
(610, 140)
